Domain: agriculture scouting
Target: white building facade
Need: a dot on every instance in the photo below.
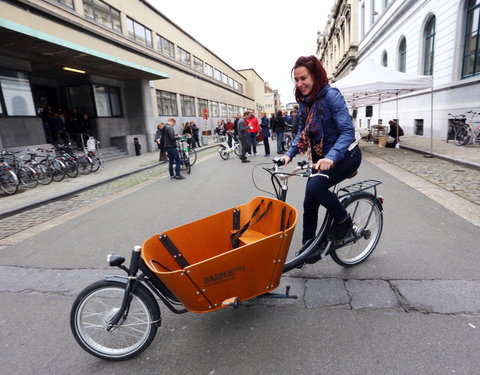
(423, 37)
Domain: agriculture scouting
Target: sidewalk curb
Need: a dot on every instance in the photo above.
(7, 214)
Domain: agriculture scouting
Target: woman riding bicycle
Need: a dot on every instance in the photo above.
(325, 134)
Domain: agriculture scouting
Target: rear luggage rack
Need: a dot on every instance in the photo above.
(359, 186)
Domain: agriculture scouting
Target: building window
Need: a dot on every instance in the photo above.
(214, 109)
(167, 103)
(67, 3)
(471, 54)
(225, 79)
(139, 32)
(223, 110)
(197, 64)
(230, 82)
(217, 75)
(202, 103)
(208, 70)
(188, 105)
(165, 46)
(384, 59)
(184, 57)
(230, 111)
(362, 21)
(102, 13)
(402, 56)
(240, 87)
(17, 94)
(235, 85)
(429, 47)
(107, 101)
(373, 13)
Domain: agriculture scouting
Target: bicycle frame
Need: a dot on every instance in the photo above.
(313, 248)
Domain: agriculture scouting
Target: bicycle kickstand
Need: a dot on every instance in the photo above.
(285, 295)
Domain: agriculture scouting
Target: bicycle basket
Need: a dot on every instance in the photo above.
(201, 266)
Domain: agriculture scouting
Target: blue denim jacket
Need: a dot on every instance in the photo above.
(338, 129)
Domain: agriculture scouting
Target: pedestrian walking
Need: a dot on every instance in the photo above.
(278, 126)
(264, 125)
(172, 151)
(253, 129)
(243, 136)
(160, 140)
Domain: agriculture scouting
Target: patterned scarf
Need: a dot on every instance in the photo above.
(313, 130)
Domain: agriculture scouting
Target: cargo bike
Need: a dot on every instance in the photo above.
(216, 262)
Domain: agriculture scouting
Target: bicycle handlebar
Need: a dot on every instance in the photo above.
(302, 166)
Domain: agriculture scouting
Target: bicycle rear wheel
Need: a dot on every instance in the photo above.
(462, 136)
(366, 212)
(71, 168)
(8, 181)
(236, 149)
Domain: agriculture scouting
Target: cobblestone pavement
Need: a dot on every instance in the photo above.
(458, 179)
(461, 180)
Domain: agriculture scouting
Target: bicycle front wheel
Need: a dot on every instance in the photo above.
(27, 176)
(236, 149)
(366, 212)
(97, 304)
(461, 136)
(223, 152)
(192, 156)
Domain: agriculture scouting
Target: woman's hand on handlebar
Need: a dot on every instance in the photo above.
(286, 159)
(323, 165)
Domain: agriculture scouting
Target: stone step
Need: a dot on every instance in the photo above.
(112, 153)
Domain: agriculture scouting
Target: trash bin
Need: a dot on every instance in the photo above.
(137, 145)
(204, 140)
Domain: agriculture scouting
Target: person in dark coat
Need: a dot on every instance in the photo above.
(264, 125)
(394, 134)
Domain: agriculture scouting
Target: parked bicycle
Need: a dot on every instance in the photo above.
(53, 165)
(45, 175)
(92, 149)
(216, 262)
(8, 179)
(26, 175)
(466, 131)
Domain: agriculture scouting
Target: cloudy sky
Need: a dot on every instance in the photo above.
(266, 35)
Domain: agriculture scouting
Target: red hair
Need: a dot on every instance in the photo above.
(315, 68)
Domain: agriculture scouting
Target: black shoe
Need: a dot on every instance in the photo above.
(340, 231)
(245, 161)
(180, 178)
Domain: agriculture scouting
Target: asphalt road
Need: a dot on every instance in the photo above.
(413, 307)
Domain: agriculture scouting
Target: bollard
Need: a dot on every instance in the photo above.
(137, 145)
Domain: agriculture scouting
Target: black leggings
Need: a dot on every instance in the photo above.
(317, 193)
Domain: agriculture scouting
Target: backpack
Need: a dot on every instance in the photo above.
(91, 144)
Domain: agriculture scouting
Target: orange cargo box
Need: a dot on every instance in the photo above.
(236, 254)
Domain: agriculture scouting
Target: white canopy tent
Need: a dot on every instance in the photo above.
(370, 83)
